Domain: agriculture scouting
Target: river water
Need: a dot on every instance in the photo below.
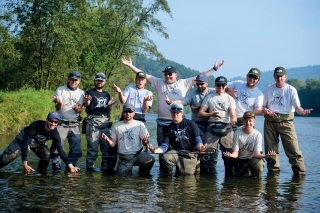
(98, 192)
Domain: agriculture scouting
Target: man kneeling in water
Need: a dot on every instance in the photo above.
(35, 135)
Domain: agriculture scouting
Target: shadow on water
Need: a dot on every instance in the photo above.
(98, 192)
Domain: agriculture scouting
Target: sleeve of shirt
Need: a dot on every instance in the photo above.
(113, 133)
(164, 145)
(259, 102)
(295, 98)
(232, 102)
(81, 98)
(265, 97)
(189, 82)
(57, 93)
(235, 144)
(126, 91)
(187, 99)
(258, 146)
(205, 102)
(143, 129)
(154, 81)
(27, 140)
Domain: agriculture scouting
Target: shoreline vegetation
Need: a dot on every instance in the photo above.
(22, 107)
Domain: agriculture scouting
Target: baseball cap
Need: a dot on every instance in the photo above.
(100, 76)
(176, 107)
(170, 69)
(221, 80)
(53, 114)
(128, 106)
(248, 114)
(280, 71)
(202, 77)
(140, 75)
(74, 75)
(254, 71)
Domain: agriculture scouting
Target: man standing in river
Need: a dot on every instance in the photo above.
(280, 102)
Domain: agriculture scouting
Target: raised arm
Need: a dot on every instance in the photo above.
(122, 98)
(216, 66)
(128, 63)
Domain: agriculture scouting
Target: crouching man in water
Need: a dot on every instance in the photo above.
(36, 135)
(247, 148)
(183, 136)
(130, 136)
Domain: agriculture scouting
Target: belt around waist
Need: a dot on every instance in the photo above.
(68, 122)
(218, 123)
(98, 116)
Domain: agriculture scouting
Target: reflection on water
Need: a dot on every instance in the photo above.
(97, 192)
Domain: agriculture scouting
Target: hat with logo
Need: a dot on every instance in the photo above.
(140, 75)
(221, 80)
(100, 76)
(128, 106)
(280, 71)
(176, 107)
(254, 71)
(202, 78)
(170, 69)
(248, 114)
(74, 75)
(53, 115)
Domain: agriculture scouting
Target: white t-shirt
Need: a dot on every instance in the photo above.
(69, 99)
(219, 103)
(174, 91)
(247, 98)
(135, 97)
(281, 100)
(128, 136)
(247, 144)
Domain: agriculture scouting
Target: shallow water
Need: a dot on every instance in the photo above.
(98, 192)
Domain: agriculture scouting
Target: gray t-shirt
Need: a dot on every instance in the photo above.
(128, 136)
(219, 103)
(195, 98)
(247, 144)
(135, 97)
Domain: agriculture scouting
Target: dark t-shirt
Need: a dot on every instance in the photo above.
(182, 136)
(99, 102)
(37, 132)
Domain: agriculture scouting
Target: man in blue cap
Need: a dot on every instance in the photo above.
(35, 135)
(68, 101)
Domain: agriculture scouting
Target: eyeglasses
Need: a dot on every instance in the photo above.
(200, 84)
(175, 112)
(253, 76)
(53, 122)
(127, 111)
(168, 73)
(220, 85)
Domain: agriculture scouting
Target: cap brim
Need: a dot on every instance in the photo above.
(101, 79)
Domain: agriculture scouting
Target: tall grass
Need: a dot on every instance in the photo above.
(20, 108)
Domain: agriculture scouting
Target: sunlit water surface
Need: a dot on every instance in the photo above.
(98, 192)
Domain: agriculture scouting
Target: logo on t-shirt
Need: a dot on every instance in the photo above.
(277, 100)
(243, 98)
(101, 102)
(180, 134)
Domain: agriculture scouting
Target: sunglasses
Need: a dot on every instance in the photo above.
(220, 85)
(127, 111)
(53, 122)
(200, 84)
(253, 76)
(168, 73)
(176, 109)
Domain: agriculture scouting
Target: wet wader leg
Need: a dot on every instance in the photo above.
(271, 142)
(10, 154)
(43, 154)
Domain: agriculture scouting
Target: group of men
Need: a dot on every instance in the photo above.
(224, 116)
